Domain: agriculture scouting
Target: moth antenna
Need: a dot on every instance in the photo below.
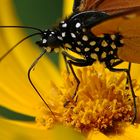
(11, 49)
(25, 27)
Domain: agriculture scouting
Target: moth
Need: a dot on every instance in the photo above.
(97, 30)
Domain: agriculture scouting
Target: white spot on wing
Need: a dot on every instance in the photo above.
(63, 34)
(113, 37)
(44, 41)
(111, 52)
(60, 38)
(48, 49)
(52, 32)
(94, 56)
(104, 43)
(92, 43)
(122, 41)
(97, 49)
(79, 43)
(85, 38)
(112, 61)
(103, 55)
(86, 49)
(78, 49)
(64, 25)
(84, 30)
(78, 25)
(73, 35)
(113, 46)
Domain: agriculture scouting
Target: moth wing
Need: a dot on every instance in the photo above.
(108, 6)
(128, 25)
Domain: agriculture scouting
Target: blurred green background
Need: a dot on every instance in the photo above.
(41, 14)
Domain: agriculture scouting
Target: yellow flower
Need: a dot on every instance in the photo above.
(104, 105)
(101, 109)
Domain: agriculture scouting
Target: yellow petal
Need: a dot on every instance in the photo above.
(96, 135)
(135, 70)
(12, 130)
(130, 133)
(67, 9)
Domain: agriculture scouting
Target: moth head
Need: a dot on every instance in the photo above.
(51, 41)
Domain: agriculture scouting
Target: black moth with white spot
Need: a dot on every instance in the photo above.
(74, 34)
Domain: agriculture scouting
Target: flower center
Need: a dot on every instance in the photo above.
(101, 103)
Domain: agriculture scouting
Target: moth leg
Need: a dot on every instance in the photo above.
(129, 67)
(131, 86)
(117, 63)
(76, 62)
(65, 59)
(29, 78)
(79, 64)
(67, 55)
(76, 4)
(127, 81)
